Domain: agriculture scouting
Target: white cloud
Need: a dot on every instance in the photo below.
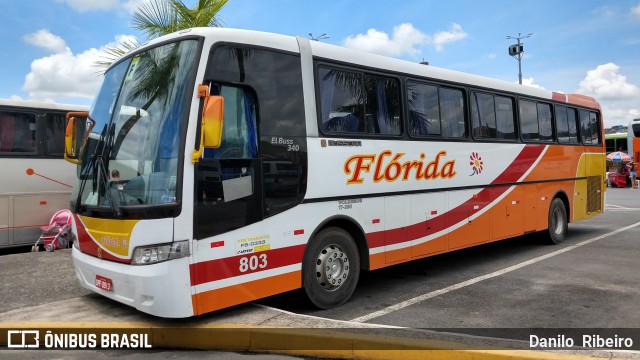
(404, 40)
(615, 94)
(604, 82)
(444, 37)
(91, 5)
(635, 11)
(103, 5)
(65, 75)
(45, 39)
(530, 82)
(132, 5)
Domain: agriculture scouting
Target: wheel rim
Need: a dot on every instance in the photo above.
(332, 267)
(557, 221)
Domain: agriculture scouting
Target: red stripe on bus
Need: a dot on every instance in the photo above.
(213, 270)
(520, 165)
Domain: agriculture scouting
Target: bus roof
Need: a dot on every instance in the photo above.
(42, 105)
(341, 54)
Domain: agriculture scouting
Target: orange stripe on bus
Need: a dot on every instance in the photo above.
(236, 294)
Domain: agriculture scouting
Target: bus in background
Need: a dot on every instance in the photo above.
(253, 164)
(633, 140)
(616, 142)
(36, 181)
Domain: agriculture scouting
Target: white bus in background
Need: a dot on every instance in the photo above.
(35, 180)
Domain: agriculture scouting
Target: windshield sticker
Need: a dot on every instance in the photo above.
(253, 245)
(132, 68)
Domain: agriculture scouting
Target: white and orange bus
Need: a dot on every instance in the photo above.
(36, 181)
(253, 164)
(633, 140)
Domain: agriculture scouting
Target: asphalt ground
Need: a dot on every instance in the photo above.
(476, 300)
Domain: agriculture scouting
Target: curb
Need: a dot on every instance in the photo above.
(323, 343)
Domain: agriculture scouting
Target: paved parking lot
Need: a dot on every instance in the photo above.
(509, 289)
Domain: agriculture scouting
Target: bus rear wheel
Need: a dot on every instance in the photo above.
(558, 223)
(331, 268)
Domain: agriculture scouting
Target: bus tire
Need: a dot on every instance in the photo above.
(331, 268)
(558, 223)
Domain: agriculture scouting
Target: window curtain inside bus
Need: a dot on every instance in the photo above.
(385, 124)
(327, 87)
(419, 122)
(7, 124)
(449, 105)
(252, 144)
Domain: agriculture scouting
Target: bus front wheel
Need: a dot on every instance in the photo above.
(558, 222)
(331, 268)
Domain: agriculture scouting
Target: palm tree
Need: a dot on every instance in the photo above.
(160, 17)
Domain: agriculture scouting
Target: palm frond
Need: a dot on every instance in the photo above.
(111, 54)
(155, 18)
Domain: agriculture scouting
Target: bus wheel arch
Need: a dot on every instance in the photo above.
(558, 219)
(332, 263)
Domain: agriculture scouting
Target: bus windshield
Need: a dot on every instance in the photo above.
(131, 157)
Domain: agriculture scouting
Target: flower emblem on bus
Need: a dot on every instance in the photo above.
(476, 163)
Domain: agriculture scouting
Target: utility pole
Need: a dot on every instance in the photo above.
(516, 52)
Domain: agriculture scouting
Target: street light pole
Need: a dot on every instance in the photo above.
(516, 52)
(318, 38)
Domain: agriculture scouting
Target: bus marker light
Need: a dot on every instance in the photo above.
(375, 221)
(43, 202)
(217, 244)
(298, 232)
(476, 207)
(434, 212)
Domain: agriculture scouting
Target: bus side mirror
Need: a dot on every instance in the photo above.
(76, 134)
(212, 122)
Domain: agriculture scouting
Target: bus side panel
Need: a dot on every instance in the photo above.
(473, 215)
(508, 215)
(212, 300)
(428, 212)
(4, 221)
(32, 211)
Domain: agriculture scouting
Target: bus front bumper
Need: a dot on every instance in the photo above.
(161, 289)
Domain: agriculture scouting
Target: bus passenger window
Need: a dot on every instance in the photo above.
(18, 132)
(341, 109)
(483, 116)
(55, 133)
(452, 113)
(529, 121)
(356, 103)
(544, 122)
(424, 112)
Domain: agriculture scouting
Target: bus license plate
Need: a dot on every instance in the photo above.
(104, 283)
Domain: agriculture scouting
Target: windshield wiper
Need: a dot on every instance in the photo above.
(98, 163)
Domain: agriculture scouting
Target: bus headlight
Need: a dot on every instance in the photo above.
(145, 255)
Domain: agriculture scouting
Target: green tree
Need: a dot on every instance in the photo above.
(160, 17)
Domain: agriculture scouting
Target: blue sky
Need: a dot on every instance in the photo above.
(593, 47)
